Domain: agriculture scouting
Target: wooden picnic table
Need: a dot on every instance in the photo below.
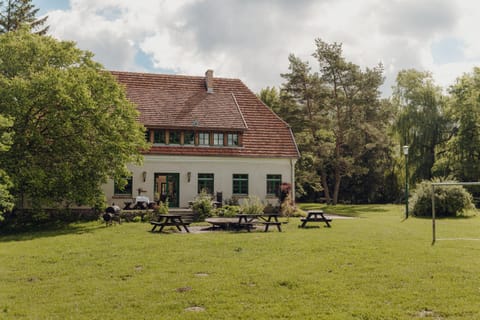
(246, 221)
(267, 219)
(169, 220)
(315, 216)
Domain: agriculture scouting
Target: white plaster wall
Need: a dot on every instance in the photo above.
(222, 167)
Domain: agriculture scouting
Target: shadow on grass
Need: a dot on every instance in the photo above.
(346, 210)
(444, 218)
(45, 231)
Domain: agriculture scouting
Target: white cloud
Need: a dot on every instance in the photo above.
(251, 39)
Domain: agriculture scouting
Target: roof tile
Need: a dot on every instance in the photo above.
(182, 102)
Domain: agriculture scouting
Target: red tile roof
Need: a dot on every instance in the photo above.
(182, 102)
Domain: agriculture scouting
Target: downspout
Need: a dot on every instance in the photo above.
(293, 161)
(292, 175)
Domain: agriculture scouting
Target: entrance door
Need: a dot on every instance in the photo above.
(167, 187)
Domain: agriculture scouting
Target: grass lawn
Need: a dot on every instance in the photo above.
(376, 266)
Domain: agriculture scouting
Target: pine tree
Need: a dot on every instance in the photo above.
(15, 13)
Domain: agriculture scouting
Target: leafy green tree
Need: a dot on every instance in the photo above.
(463, 152)
(6, 199)
(15, 13)
(421, 122)
(73, 124)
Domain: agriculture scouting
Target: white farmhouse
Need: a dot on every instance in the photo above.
(206, 133)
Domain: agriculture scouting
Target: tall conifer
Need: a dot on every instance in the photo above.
(15, 13)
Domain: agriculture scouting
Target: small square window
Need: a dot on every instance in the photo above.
(147, 135)
(174, 137)
(189, 137)
(240, 184)
(205, 182)
(232, 139)
(218, 139)
(273, 183)
(159, 136)
(126, 190)
(204, 138)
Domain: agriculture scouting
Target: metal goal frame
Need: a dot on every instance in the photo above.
(434, 184)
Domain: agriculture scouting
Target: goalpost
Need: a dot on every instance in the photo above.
(433, 200)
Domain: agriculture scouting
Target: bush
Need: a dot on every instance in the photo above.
(227, 211)
(161, 208)
(252, 205)
(202, 205)
(450, 201)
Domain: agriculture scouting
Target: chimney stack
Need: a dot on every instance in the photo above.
(209, 80)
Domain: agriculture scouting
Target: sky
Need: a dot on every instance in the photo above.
(252, 39)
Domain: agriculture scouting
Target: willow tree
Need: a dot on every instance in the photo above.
(73, 125)
(421, 121)
(463, 152)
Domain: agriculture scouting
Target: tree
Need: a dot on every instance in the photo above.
(421, 123)
(356, 116)
(300, 96)
(15, 13)
(463, 151)
(6, 199)
(344, 120)
(73, 124)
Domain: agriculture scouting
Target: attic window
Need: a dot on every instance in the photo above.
(189, 138)
(159, 136)
(232, 139)
(204, 138)
(174, 137)
(218, 139)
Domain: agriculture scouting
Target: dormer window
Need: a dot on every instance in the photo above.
(159, 136)
(174, 137)
(193, 138)
(218, 139)
(204, 138)
(189, 138)
(232, 139)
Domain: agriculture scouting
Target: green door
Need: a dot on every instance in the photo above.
(167, 187)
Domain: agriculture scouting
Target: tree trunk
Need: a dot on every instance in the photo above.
(336, 189)
(326, 191)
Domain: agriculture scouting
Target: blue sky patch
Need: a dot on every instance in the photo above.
(145, 61)
(49, 5)
(447, 50)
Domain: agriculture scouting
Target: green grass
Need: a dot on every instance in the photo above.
(377, 266)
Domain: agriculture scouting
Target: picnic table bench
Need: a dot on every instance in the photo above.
(267, 219)
(315, 216)
(170, 220)
(246, 221)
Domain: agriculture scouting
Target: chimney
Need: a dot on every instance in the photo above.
(209, 80)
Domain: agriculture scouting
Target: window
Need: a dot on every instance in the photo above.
(273, 183)
(204, 138)
(147, 135)
(232, 139)
(240, 184)
(159, 136)
(189, 138)
(126, 190)
(205, 182)
(174, 137)
(218, 139)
